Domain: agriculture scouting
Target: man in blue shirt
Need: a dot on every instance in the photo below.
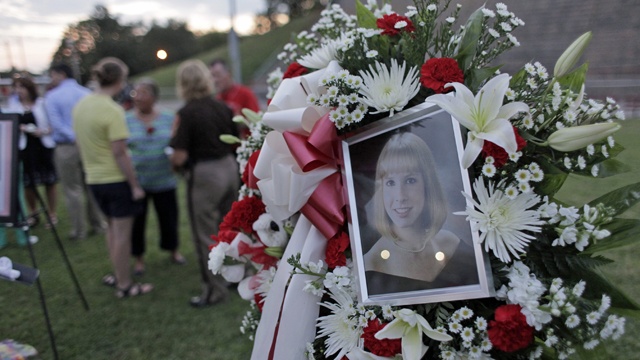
(59, 102)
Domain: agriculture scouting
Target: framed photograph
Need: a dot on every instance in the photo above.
(8, 168)
(404, 184)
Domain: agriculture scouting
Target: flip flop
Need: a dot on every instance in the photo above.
(109, 280)
(134, 289)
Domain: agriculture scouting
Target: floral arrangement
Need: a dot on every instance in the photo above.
(286, 240)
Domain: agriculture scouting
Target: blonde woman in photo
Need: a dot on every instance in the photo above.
(413, 251)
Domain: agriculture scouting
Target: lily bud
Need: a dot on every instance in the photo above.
(251, 115)
(578, 137)
(275, 251)
(229, 139)
(570, 56)
(239, 119)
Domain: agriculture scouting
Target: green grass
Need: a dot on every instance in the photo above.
(159, 325)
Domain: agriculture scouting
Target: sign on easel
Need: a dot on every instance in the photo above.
(9, 126)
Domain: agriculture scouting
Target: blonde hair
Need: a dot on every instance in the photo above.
(408, 152)
(109, 71)
(193, 80)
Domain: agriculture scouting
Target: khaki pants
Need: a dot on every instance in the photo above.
(69, 168)
(212, 188)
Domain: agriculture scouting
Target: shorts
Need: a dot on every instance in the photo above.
(115, 200)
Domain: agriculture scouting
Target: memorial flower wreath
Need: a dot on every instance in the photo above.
(286, 239)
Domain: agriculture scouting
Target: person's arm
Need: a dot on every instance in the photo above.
(119, 150)
(55, 117)
(178, 158)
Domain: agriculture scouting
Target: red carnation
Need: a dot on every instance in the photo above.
(335, 250)
(259, 301)
(243, 214)
(437, 72)
(499, 154)
(294, 70)
(509, 331)
(247, 175)
(388, 24)
(384, 347)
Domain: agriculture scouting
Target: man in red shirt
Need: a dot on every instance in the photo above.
(236, 96)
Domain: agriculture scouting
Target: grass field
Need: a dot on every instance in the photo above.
(162, 325)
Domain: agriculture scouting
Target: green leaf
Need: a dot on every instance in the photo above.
(597, 285)
(620, 199)
(624, 232)
(475, 77)
(554, 177)
(575, 79)
(557, 261)
(365, 17)
(469, 42)
(606, 168)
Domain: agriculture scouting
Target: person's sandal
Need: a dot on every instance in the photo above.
(134, 289)
(109, 280)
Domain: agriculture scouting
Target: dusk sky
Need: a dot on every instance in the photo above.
(31, 30)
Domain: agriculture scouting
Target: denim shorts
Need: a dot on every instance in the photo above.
(115, 200)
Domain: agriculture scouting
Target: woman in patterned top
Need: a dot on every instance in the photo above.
(150, 132)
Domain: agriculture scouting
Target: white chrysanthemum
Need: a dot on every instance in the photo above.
(341, 330)
(320, 57)
(387, 312)
(572, 321)
(389, 89)
(503, 223)
(488, 170)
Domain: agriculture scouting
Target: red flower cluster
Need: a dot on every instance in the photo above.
(294, 70)
(437, 72)
(498, 153)
(247, 175)
(388, 24)
(509, 331)
(384, 347)
(242, 215)
(336, 247)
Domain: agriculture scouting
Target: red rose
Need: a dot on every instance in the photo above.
(437, 72)
(247, 175)
(388, 24)
(499, 154)
(509, 331)
(243, 214)
(294, 70)
(335, 250)
(384, 347)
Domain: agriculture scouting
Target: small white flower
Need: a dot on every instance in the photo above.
(450, 20)
(522, 175)
(432, 7)
(594, 170)
(591, 149)
(567, 162)
(513, 40)
(524, 187)
(582, 163)
(455, 327)
(488, 13)
(511, 192)
(605, 151)
(371, 54)
(593, 317)
(506, 27)
(590, 345)
(489, 170)
(515, 156)
(572, 321)
(494, 33)
(387, 312)
(537, 176)
(530, 69)
(467, 334)
(578, 288)
(481, 323)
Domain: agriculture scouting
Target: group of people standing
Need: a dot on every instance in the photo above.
(129, 158)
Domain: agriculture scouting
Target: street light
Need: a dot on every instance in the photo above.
(161, 54)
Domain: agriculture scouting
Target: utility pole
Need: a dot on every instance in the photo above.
(234, 51)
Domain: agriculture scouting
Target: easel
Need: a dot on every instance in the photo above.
(12, 214)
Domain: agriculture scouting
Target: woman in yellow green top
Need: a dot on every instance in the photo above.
(101, 135)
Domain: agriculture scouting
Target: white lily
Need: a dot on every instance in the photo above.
(409, 326)
(484, 115)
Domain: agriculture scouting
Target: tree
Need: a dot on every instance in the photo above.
(277, 9)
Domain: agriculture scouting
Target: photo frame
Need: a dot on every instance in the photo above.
(9, 126)
(408, 245)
